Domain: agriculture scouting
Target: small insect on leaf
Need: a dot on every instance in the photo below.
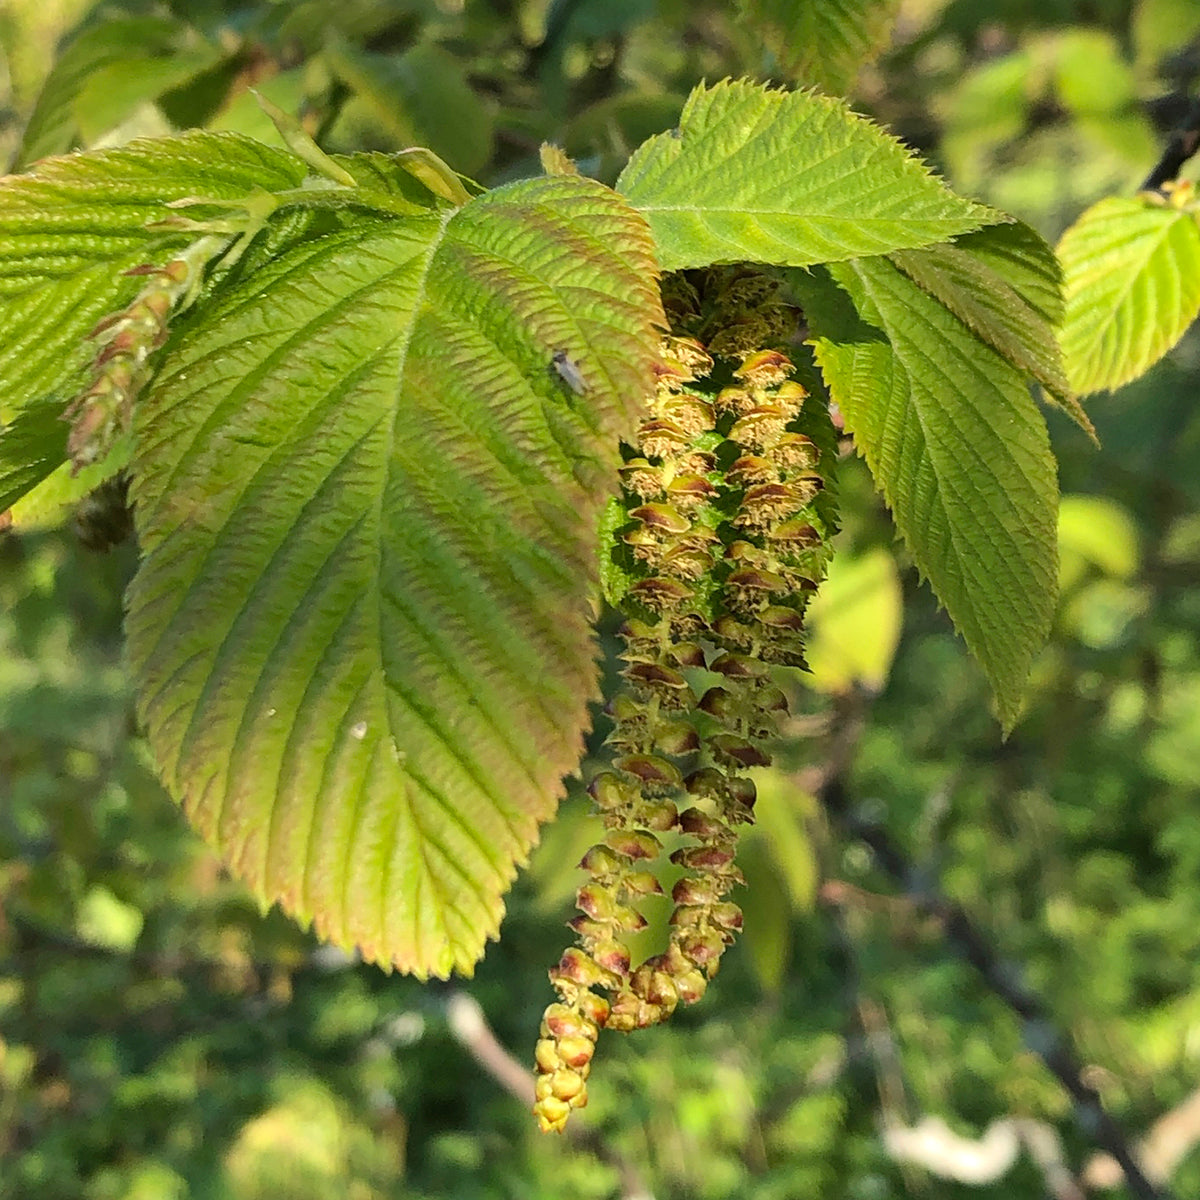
(568, 372)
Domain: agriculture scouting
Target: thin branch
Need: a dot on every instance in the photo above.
(1182, 144)
(1005, 978)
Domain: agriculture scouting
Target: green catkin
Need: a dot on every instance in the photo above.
(125, 341)
(726, 539)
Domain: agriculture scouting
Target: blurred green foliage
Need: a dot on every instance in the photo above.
(161, 1038)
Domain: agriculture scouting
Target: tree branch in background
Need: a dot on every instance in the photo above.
(1182, 144)
(1170, 1140)
(1002, 976)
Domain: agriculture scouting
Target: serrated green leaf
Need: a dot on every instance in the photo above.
(822, 42)
(1004, 284)
(368, 509)
(960, 452)
(70, 231)
(1131, 277)
(792, 178)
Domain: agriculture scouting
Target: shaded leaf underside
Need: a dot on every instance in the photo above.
(361, 632)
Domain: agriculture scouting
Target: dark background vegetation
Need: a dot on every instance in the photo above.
(160, 1038)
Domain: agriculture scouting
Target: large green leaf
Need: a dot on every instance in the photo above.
(794, 178)
(823, 42)
(959, 451)
(1131, 275)
(368, 507)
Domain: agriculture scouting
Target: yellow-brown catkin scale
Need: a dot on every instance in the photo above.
(125, 341)
(726, 540)
(666, 498)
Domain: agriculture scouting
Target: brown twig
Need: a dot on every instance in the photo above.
(1182, 144)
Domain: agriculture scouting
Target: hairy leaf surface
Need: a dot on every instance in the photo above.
(823, 42)
(368, 507)
(1131, 273)
(70, 231)
(959, 451)
(792, 178)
